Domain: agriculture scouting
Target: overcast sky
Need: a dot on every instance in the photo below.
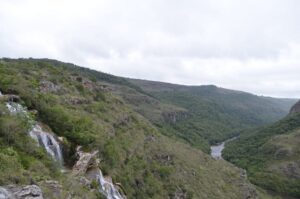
(249, 45)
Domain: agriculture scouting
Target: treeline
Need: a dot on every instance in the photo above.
(256, 152)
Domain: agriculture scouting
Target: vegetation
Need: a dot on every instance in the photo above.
(89, 108)
(214, 114)
(271, 156)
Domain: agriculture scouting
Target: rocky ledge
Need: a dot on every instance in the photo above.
(21, 192)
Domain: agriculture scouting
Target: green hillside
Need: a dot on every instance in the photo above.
(271, 155)
(214, 113)
(89, 108)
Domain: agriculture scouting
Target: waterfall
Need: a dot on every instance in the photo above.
(16, 108)
(107, 188)
(4, 194)
(43, 138)
(48, 142)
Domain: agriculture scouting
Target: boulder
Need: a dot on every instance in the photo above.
(47, 86)
(13, 98)
(21, 192)
(150, 138)
(87, 169)
(78, 101)
(54, 188)
(85, 161)
(180, 194)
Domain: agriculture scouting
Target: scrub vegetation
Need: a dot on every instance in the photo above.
(139, 134)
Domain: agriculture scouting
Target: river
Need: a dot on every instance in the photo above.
(216, 150)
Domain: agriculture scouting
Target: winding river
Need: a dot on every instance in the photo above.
(216, 150)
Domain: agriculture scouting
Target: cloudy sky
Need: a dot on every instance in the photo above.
(250, 45)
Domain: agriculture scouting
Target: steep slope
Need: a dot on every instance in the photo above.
(82, 108)
(271, 155)
(215, 114)
(295, 108)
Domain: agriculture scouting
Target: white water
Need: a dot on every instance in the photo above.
(107, 188)
(16, 108)
(4, 194)
(48, 142)
(43, 138)
(52, 147)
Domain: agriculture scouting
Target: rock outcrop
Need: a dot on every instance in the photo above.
(10, 98)
(85, 162)
(295, 108)
(174, 116)
(249, 191)
(87, 169)
(21, 192)
(47, 86)
(54, 187)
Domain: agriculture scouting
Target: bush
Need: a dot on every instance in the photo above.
(11, 170)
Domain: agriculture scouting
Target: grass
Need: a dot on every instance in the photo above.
(90, 109)
(214, 114)
(271, 155)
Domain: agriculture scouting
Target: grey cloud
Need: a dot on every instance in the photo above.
(230, 43)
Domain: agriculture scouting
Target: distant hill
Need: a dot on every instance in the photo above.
(214, 113)
(271, 155)
(117, 118)
(295, 108)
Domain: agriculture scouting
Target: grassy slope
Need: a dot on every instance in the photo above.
(215, 114)
(85, 110)
(271, 155)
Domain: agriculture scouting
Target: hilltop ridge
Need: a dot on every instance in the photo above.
(295, 108)
(271, 155)
(86, 108)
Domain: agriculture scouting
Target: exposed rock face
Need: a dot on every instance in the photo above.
(87, 168)
(249, 191)
(47, 86)
(13, 98)
(174, 117)
(86, 83)
(180, 194)
(85, 161)
(165, 159)
(54, 187)
(17, 192)
(296, 108)
(150, 138)
(291, 169)
(78, 101)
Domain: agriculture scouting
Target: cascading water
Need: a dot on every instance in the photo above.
(16, 108)
(47, 141)
(43, 138)
(52, 147)
(4, 194)
(108, 188)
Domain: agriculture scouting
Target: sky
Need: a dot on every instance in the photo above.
(248, 45)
